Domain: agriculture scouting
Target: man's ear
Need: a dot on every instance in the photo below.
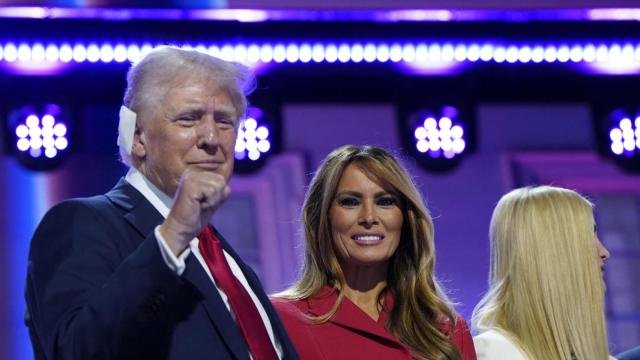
(138, 149)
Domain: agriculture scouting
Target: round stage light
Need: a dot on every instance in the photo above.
(252, 140)
(256, 141)
(624, 135)
(438, 137)
(41, 135)
(619, 137)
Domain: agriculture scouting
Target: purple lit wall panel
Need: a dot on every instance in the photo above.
(504, 127)
(319, 128)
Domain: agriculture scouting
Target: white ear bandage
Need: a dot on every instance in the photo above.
(126, 129)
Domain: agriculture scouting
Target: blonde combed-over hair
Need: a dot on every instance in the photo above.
(546, 288)
(151, 78)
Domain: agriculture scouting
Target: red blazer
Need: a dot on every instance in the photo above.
(351, 333)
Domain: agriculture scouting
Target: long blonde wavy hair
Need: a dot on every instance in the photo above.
(546, 287)
(420, 304)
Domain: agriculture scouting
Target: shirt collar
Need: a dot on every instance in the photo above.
(161, 201)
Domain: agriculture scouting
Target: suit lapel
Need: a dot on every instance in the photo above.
(141, 214)
(215, 307)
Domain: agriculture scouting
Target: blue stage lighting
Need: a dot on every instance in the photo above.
(317, 53)
(306, 53)
(605, 58)
(330, 53)
(253, 139)
(438, 137)
(106, 53)
(41, 135)
(624, 134)
(619, 136)
(279, 53)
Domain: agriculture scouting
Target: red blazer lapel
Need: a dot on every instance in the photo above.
(351, 316)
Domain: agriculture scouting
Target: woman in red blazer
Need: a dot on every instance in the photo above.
(368, 288)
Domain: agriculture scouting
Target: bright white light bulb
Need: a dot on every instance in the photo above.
(22, 131)
(458, 146)
(32, 121)
(444, 123)
(430, 123)
(23, 145)
(625, 124)
(50, 152)
(35, 143)
(60, 130)
(457, 132)
(420, 133)
(617, 147)
(264, 146)
(615, 134)
(48, 121)
(382, 53)
(51, 53)
(344, 53)
(254, 155)
(422, 146)
(250, 123)
(262, 133)
(61, 143)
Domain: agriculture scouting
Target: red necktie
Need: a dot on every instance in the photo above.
(247, 315)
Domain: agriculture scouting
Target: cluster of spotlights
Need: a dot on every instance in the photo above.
(440, 136)
(37, 135)
(253, 139)
(41, 135)
(625, 136)
(330, 52)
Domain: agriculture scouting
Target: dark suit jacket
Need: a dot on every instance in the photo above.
(351, 333)
(98, 288)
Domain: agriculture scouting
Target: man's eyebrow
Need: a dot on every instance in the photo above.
(223, 111)
(190, 109)
(187, 111)
(227, 114)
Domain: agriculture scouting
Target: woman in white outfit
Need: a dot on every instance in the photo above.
(546, 295)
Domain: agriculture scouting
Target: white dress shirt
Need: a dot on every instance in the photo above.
(163, 204)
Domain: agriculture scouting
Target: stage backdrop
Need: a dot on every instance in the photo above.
(517, 144)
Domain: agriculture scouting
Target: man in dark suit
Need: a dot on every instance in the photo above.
(138, 273)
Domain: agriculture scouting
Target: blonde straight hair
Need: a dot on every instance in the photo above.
(546, 288)
(420, 305)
